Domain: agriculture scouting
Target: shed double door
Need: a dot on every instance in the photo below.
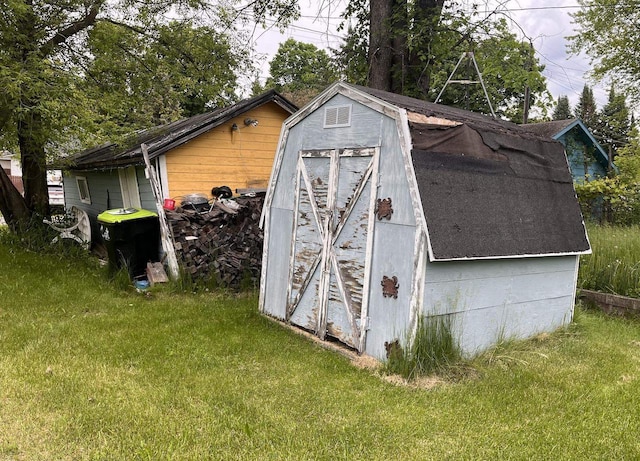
(333, 217)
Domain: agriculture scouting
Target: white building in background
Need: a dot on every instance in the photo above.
(11, 165)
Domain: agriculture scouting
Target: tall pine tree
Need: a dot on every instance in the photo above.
(563, 109)
(586, 109)
(614, 123)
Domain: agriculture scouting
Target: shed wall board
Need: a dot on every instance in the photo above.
(71, 194)
(105, 193)
(395, 184)
(276, 272)
(481, 329)
(104, 190)
(365, 129)
(393, 253)
(489, 268)
(285, 183)
(510, 298)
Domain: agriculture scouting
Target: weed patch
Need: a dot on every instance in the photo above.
(433, 350)
(614, 265)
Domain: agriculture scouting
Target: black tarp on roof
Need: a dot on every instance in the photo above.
(163, 138)
(488, 187)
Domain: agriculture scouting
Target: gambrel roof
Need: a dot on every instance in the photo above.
(489, 188)
(163, 138)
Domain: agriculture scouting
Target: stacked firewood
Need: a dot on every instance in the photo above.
(222, 243)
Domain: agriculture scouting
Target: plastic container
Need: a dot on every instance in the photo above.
(169, 204)
(132, 238)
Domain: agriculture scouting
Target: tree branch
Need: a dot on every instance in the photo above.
(73, 29)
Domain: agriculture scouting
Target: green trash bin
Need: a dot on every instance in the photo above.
(132, 238)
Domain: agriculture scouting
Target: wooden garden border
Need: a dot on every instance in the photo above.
(612, 304)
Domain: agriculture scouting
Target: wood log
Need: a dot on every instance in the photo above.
(222, 243)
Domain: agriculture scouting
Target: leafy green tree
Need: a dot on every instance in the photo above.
(607, 31)
(185, 70)
(300, 70)
(351, 58)
(586, 109)
(67, 68)
(628, 159)
(616, 198)
(508, 66)
(563, 109)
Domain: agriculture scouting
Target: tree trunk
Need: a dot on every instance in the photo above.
(400, 59)
(392, 66)
(380, 44)
(34, 167)
(12, 205)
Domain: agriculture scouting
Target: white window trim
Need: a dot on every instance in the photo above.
(161, 167)
(83, 198)
(129, 187)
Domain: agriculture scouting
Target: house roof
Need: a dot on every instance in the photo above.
(163, 138)
(550, 129)
(556, 129)
(489, 188)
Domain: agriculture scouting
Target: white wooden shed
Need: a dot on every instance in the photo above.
(382, 208)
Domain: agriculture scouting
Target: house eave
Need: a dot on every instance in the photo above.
(168, 139)
(517, 256)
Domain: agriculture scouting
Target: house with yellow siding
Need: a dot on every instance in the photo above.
(232, 146)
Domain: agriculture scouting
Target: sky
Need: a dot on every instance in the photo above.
(546, 22)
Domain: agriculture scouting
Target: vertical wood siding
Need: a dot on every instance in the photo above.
(365, 129)
(239, 158)
(285, 184)
(275, 275)
(393, 254)
(395, 184)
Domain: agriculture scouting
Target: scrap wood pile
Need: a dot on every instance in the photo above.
(223, 244)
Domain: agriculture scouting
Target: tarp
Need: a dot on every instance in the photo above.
(491, 193)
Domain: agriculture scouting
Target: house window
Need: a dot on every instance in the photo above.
(83, 189)
(337, 116)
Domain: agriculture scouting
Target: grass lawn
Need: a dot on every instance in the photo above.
(88, 372)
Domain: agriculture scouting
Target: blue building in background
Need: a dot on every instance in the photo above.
(587, 159)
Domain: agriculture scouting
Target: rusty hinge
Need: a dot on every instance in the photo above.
(393, 348)
(384, 208)
(390, 286)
